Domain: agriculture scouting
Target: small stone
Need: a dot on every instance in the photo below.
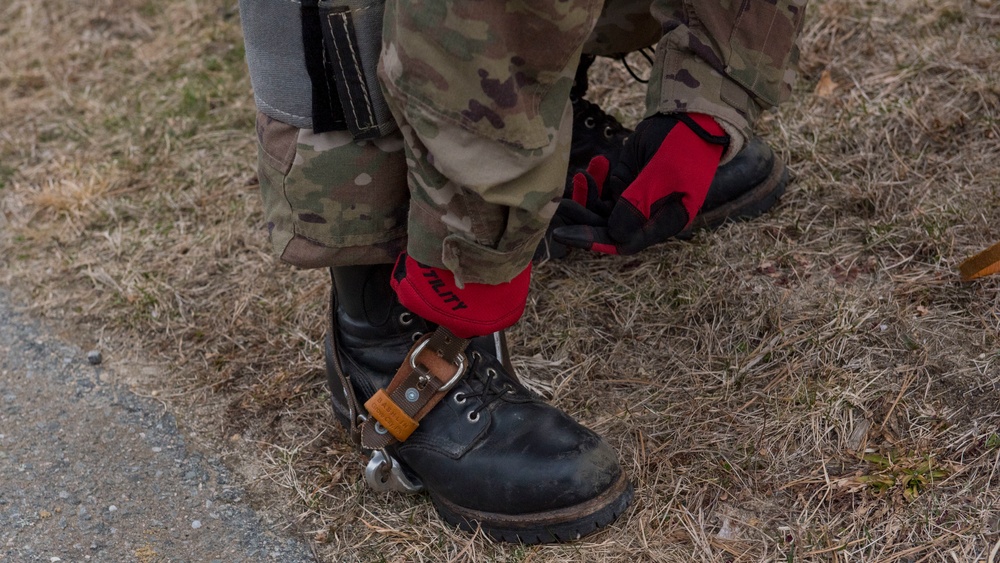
(94, 357)
(196, 524)
(44, 514)
(112, 508)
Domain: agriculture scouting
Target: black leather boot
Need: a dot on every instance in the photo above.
(745, 187)
(489, 453)
(595, 132)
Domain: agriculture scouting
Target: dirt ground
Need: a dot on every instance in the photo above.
(814, 385)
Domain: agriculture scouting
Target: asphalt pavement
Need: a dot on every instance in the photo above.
(90, 471)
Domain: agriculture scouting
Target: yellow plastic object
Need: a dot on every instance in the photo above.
(983, 264)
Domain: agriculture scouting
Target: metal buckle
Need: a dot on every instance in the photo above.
(454, 379)
(385, 474)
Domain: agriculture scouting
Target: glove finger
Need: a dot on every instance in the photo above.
(586, 190)
(572, 213)
(598, 201)
(587, 238)
(625, 221)
(548, 248)
(581, 188)
(598, 170)
(669, 219)
(618, 181)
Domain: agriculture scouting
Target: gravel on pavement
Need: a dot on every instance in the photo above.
(90, 471)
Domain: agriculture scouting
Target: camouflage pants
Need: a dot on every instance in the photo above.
(480, 91)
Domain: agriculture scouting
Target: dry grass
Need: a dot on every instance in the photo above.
(812, 386)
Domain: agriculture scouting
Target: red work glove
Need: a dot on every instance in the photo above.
(474, 310)
(654, 192)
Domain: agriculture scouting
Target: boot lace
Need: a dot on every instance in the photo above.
(490, 392)
(647, 54)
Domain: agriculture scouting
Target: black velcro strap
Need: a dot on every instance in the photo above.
(343, 53)
(327, 111)
(722, 139)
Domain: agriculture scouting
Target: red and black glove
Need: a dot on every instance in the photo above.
(654, 192)
(474, 310)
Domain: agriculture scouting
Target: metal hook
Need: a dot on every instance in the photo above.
(385, 474)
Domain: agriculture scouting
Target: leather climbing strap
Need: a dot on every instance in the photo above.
(983, 264)
(434, 365)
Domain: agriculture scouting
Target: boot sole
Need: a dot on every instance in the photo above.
(754, 203)
(562, 525)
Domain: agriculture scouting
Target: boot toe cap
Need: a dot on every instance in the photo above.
(534, 459)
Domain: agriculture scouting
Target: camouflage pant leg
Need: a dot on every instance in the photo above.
(330, 200)
(481, 93)
(624, 26)
(479, 221)
(483, 109)
(726, 59)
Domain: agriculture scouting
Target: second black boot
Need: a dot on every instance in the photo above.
(489, 453)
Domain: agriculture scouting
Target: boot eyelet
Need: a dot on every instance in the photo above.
(406, 318)
(416, 336)
(459, 398)
(589, 122)
(476, 356)
(491, 372)
(380, 429)
(608, 133)
(508, 387)
(473, 416)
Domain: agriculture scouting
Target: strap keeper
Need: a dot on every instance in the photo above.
(390, 416)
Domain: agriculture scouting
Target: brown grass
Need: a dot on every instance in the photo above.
(816, 385)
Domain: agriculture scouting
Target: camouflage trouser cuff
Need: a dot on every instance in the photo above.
(304, 253)
(473, 263)
(470, 262)
(716, 95)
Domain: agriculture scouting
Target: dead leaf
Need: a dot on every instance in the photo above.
(767, 267)
(826, 85)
